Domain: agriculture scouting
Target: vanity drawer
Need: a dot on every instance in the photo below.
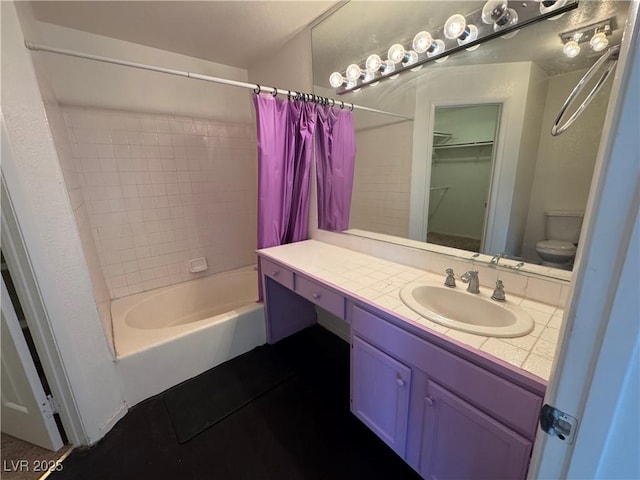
(320, 295)
(511, 404)
(279, 273)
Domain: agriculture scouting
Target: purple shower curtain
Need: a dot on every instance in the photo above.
(285, 134)
(335, 159)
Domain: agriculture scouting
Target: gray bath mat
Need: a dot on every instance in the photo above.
(201, 402)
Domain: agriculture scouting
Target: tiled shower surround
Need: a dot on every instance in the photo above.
(160, 190)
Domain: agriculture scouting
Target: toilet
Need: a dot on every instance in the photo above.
(562, 230)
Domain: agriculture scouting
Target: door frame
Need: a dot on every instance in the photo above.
(496, 162)
(593, 315)
(36, 315)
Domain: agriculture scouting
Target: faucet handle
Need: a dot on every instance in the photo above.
(498, 293)
(451, 280)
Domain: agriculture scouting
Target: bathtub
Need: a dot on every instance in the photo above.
(168, 335)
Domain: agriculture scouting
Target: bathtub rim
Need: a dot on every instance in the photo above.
(130, 340)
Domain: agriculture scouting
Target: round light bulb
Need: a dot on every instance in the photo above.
(571, 49)
(368, 75)
(353, 72)
(410, 58)
(437, 49)
(388, 67)
(396, 53)
(599, 42)
(471, 36)
(373, 63)
(493, 11)
(422, 41)
(336, 79)
(454, 26)
(351, 84)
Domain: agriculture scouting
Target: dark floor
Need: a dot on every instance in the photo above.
(302, 429)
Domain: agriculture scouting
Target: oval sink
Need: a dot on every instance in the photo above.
(467, 312)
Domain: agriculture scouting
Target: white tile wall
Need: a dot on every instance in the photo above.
(381, 200)
(160, 190)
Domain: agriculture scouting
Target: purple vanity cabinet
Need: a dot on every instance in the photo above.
(460, 441)
(380, 389)
(449, 411)
(285, 312)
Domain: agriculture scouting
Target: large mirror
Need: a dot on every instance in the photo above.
(467, 160)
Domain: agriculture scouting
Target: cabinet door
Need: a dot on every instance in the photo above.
(380, 393)
(459, 441)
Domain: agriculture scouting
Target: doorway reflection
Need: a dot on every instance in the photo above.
(461, 171)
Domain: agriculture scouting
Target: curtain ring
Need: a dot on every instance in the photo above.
(333, 102)
(288, 94)
(352, 107)
(342, 105)
(275, 92)
(257, 89)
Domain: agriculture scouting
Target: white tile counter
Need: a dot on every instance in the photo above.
(378, 282)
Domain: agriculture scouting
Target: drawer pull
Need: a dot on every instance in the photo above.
(316, 295)
(400, 381)
(429, 401)
(276, 273)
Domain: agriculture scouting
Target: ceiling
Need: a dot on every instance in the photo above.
(229, 32)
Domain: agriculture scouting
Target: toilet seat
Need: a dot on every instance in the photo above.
(556, 247)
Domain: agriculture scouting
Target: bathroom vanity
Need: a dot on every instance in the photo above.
(448, 409)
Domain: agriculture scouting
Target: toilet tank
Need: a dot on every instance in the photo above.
(563, 225)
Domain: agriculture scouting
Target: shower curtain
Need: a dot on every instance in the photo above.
(335, 159)
(285, 132)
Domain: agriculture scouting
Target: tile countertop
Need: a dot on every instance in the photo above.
(378, 282)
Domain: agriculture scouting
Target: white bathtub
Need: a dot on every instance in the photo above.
(168, 335)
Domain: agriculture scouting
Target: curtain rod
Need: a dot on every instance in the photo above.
(198, 76)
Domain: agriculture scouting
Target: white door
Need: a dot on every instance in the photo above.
(26, 413)
(593, 378)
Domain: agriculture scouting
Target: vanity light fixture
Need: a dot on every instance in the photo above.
(594, 34)
(550, 6)
(571, 49)
(599, 41)
(498, 14)
(336, 79)
(460, 32)
(456, 28)
(353, 72)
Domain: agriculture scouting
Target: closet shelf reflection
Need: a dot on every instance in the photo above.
(462, 145)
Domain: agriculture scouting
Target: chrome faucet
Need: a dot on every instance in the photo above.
(496, 258)
(471, 277)
(451, 280)
(498, 293)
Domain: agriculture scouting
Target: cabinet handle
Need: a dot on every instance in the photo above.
(276, 273)
(429, 400)
(400, 381)
(315, 296)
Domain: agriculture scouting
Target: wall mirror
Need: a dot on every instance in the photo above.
(414, 177)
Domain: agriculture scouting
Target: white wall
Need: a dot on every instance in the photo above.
(45, 214)
(564, 167)
(73, 182)
(528, 153)
(83, 82)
